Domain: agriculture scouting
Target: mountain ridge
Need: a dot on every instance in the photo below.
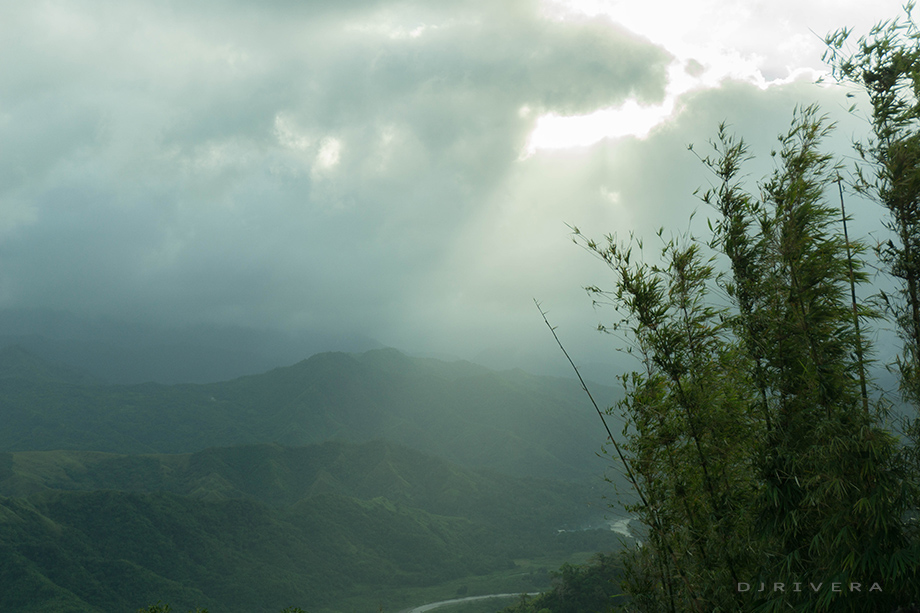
(510, 421)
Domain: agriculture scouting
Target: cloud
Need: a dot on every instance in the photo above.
(349, 166)
(268, 161)
(615, 186)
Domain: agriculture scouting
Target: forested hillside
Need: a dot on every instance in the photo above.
(260, 528)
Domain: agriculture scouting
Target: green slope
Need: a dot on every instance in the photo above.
(263, 527)
(279, 476)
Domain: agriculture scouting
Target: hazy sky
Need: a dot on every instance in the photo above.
(402, 170)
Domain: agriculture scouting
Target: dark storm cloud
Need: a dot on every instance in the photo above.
(282, 163)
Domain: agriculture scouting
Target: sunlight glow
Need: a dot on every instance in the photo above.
(631, 119)
(711, 40)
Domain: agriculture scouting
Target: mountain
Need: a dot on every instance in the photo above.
(509, 421)
(319, 485)
(330, 527)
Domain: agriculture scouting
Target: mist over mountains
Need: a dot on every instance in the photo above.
(511, 421)
(119, 351)
(116, 351)
(340, 482)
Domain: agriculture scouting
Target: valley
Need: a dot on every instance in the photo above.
(311, 486)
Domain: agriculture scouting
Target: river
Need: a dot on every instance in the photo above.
(443, 603)
(617, 525)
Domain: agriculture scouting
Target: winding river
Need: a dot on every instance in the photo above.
(617, 525)
(443, 603)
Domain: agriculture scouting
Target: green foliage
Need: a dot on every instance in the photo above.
(749, 442)
(589, 588)
(886, 65)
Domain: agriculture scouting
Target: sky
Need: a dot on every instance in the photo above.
(406, 171)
